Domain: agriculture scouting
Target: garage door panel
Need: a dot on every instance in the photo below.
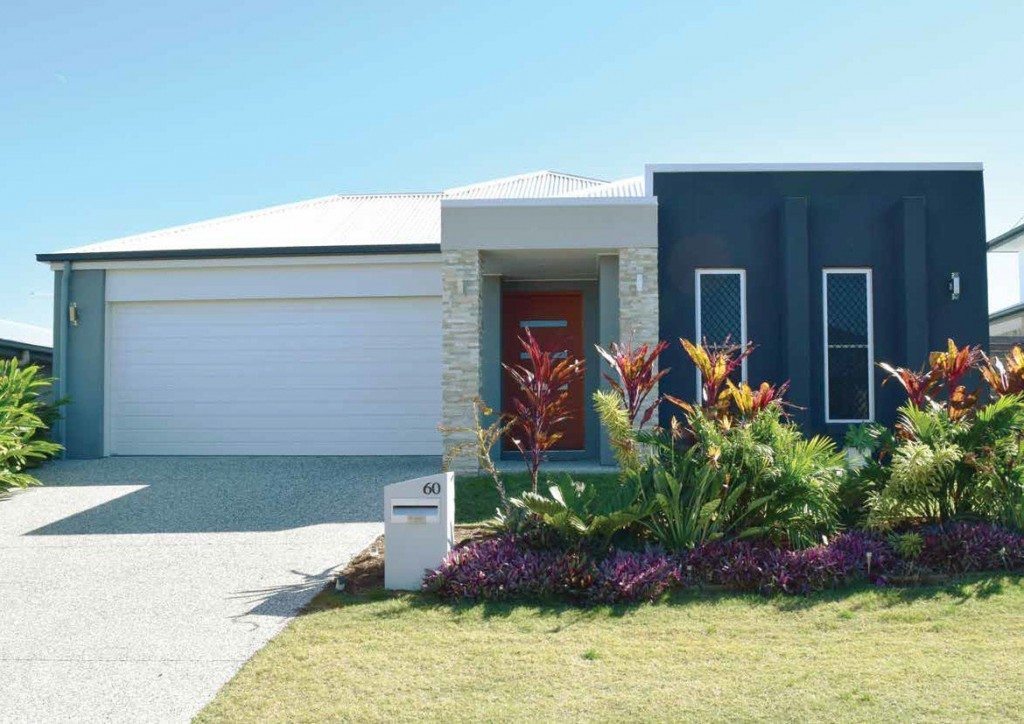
(352, 376)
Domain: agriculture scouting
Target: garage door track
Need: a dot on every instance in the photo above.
(134, 588)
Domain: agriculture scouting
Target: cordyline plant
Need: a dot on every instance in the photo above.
(716, 363)
(944, 372)
(721, 398)
(482, 439)
(540, 407)
(636, 376)
(748, 401)
(918, 385)
(1004, 377)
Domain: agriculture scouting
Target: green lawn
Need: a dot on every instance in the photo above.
(476, 499)
(948, 653)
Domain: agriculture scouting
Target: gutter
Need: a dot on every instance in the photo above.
(241, 252)
(1006, 237)
(62, 351)
(1006, 312)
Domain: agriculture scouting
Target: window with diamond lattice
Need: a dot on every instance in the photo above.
(721, 308)
(849, 352)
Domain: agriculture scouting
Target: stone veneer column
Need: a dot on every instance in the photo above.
(460, 347)
(638, 305)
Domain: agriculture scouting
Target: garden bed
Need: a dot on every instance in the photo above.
(510, 568)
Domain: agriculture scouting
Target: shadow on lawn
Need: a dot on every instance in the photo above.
(564, 614)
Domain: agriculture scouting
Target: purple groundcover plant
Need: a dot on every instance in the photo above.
(966, 547)
(505, 568)
(746, 566)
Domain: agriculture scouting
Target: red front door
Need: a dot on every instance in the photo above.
(556, 321)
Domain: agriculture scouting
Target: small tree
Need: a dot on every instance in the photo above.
(540, 407)
(482, 440)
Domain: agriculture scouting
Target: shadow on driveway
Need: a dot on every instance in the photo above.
(229, 494)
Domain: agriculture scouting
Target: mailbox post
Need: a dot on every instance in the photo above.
(419, 528)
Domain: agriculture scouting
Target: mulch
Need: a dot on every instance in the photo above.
(365, 572)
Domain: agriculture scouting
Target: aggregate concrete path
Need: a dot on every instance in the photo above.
(132, 589)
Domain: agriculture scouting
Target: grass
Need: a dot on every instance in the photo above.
(476, 500)
(936, 653)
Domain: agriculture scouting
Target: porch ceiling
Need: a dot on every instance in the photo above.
(542, 264)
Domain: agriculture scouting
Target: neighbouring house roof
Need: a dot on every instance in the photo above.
(341, 224)
(1012, 240)
(25, 335)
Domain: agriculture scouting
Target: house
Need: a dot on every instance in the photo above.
(1006, 326)
(353, 325)
(29, 343)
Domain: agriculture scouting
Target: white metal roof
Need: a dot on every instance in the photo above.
(534, 185)
(375, 220)
(22, 333)
(335, 221)
(632, 187)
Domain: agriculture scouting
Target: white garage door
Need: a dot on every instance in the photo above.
(351, 376)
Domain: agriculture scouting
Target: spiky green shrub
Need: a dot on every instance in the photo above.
(20, 424)
(756, 478)
(793, 480)
(687, 500)
(614, 419)
(957, 466)
(573, 513)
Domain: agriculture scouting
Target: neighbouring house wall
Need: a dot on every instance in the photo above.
(35, 356)
(83, 378)
(461, 290)
(912, 228)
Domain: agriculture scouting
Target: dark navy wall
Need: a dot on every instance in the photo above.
(912, 228)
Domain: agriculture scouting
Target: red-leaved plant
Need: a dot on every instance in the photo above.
(749, 402)
(918, 385)
(540, 406)
(716, 364)
(1005, 377)
(636, 377)
(946, 369)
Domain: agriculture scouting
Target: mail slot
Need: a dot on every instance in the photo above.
(404, 510)
(419, 528)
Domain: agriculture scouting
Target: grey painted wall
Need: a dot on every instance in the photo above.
(490, 342)
(913, 228)
(83, 378)
(608, 324)
(602, 224)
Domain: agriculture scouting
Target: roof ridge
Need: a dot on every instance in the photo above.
(516, 177)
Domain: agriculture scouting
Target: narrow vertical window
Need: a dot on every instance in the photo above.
(849, 345)
(722, 309)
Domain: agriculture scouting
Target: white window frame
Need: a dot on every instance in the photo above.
(866, 271)
(698, 273)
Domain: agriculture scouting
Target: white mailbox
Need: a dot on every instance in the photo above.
(419, 528)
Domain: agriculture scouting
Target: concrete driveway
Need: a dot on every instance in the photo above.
(133, 588)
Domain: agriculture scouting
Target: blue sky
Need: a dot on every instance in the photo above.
(120, 117)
